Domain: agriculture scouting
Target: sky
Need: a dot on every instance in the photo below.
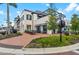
(68, 9)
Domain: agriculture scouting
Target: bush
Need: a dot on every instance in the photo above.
(18, 33)
(10, 35)
(30, 32)
(66, 33)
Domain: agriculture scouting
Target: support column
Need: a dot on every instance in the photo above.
(41, 28)
(56, 30)
(49, 31)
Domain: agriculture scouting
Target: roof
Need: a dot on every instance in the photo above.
(28, 10)
(36, 12)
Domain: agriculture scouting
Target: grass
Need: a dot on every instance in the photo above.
(53, 41)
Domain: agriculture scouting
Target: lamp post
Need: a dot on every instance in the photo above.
(61, 24)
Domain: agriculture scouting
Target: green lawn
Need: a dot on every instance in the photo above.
(53, 41)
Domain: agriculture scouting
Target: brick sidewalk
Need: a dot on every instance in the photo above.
(20, 41)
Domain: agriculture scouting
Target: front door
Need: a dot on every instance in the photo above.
(44, 29)
(38, 29)
(29, 27)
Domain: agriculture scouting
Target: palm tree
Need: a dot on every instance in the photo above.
(8, 18)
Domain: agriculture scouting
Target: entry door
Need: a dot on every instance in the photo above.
(38, 29)
(29, 27)
(44, 29)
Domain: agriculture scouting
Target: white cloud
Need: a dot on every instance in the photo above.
(5, 24)
(77, 8)
(1, 12)
(60, 11)
(18, 12)
(12, 23)
(70, 7)
(47, 5)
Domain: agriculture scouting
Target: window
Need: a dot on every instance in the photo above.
(28, 27)
(28, 17)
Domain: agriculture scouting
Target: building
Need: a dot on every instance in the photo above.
(29, 20)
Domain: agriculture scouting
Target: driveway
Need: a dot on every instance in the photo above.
(20, 41)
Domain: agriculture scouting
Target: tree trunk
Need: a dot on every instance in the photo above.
(8, 20)
(60, 34)
(54, 31)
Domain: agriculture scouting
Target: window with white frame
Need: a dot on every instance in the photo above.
(29, 17)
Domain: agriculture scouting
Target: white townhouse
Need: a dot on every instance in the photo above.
(29, 20)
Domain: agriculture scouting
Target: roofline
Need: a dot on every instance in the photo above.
(32, 11)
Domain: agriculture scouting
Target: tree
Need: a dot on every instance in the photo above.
(8, 18)
(75, 22)
(52, 25)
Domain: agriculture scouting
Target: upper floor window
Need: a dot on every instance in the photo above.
(29, 17)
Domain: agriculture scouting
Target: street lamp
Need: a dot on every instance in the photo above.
(61, 24)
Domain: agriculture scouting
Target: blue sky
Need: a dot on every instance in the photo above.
(66, 8)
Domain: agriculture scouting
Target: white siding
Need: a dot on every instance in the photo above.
(36, 21)
(42, 20)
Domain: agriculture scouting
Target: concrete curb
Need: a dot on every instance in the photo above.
(39, 50)
(76, 51)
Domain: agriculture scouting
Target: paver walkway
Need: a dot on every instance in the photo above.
(20, 41)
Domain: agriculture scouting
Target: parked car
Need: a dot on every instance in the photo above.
(2, 31)
(13, 30)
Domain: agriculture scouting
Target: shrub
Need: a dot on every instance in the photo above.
(66, 33)
(10, 35)
(18, 33)
(30, 32)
